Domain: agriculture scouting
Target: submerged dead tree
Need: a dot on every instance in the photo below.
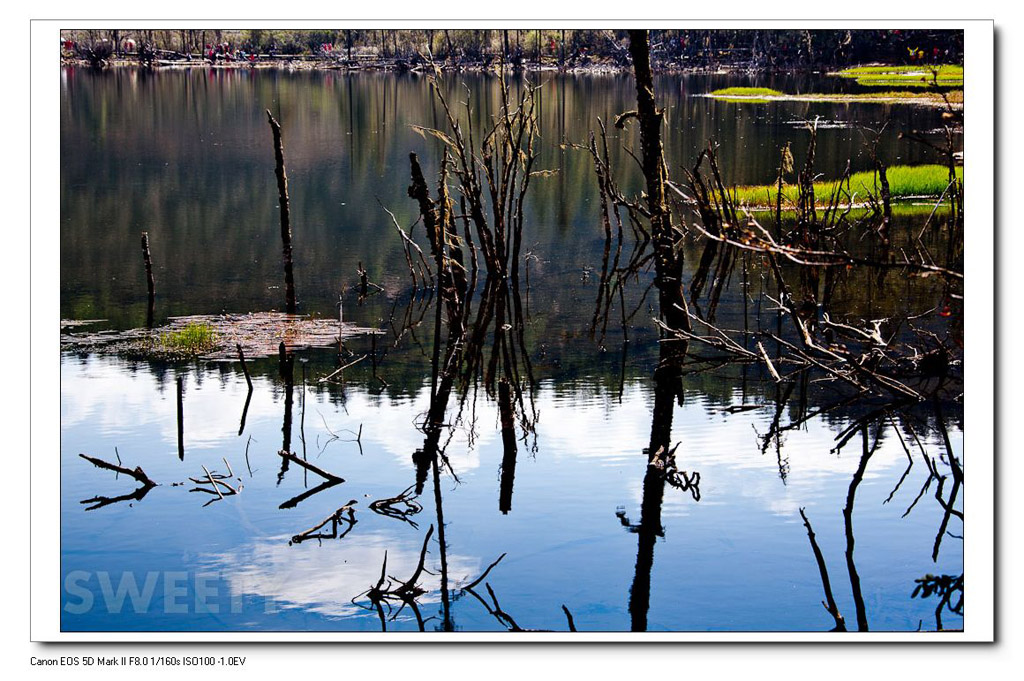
(818, 250)
(474, 227)
(889, 357)
(673, 312)
(286, 225)
(490, 165)
(668, 256)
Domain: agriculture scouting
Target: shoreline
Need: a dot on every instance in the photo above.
(317, 63)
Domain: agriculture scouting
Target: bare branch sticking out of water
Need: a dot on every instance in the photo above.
(425, 273)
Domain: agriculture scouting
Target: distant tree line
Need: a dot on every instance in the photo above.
(760, 49)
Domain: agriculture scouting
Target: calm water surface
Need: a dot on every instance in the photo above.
(186, 156)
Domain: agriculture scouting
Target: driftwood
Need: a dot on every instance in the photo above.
(216, 481)
(137, 473)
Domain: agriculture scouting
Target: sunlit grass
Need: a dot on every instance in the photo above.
(194, 339)
(948, 75)
(904, 182)
(747, 92)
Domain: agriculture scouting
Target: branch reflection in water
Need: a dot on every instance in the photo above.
(808, 353)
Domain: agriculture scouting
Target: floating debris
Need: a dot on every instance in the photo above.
(259, 334)
(72, 323)
(215, 481)
(822, 124)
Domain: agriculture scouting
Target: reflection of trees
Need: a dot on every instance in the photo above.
(830, 601)
(945, 587)
(484, 343)
(858, 476)
(183, 155)
(401, 506)
(807, 259)
(391, 590)
(344, 516)
(481, 333)
(286, 364)
(656, 226)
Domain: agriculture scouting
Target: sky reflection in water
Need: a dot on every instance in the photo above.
(186, 156)
(737, 560)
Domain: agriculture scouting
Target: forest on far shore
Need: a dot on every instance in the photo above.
(763, 50)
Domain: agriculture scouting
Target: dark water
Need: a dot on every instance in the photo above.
(186, 156)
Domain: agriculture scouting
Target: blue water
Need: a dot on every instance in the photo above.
(737, 560)
(185, 155)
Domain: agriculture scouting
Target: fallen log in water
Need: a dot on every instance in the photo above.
(137, 473)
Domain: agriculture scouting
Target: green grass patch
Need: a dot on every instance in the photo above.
(904, 182)
(192, 340)
(948, 75)
(747, 92)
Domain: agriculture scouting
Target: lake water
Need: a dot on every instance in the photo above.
(186, 156)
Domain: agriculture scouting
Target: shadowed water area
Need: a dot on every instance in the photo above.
(552, 480)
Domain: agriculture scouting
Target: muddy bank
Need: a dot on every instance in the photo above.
(953, 100)
(256, 334)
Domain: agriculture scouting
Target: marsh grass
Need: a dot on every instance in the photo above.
(948, 75)
(195, 339)
(747, 92)
(904, 182)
